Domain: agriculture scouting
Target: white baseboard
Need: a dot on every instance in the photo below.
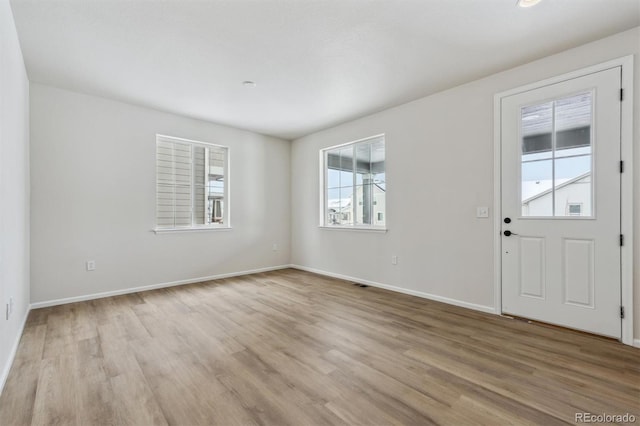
(14, 349)
(475, 307)
(636, 343)
(101, 295)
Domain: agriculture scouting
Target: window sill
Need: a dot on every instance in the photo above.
(353, 228)
(201, 229)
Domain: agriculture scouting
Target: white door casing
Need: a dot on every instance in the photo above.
(559, 268)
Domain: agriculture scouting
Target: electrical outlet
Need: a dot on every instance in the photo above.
(91, 265)
(275, 247)
(394, 260)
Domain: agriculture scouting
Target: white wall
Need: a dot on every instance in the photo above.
(439, 168)
(93, 197)
(14, 188)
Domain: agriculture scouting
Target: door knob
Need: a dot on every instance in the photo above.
(507, 220)
(508, 233)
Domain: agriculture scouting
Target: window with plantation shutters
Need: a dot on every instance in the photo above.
(191, 184)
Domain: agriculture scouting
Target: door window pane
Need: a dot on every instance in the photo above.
(537, 125)
(556, 157)
(537, 184)
(573, 185)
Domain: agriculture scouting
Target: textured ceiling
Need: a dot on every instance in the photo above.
(316, 62)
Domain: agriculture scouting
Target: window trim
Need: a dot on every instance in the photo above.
(323, 179)
(226, 210)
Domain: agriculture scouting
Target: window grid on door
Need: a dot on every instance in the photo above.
(557, 157)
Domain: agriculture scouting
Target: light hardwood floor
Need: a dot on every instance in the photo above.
(294, 348)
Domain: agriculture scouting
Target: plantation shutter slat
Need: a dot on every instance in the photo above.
(173, 178)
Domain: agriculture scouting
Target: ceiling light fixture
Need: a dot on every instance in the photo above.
(527, 3)
(249, 83)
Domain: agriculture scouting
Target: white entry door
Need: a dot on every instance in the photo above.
(561, 203)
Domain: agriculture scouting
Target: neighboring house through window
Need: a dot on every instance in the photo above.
(192, 185)
(354, 184)
(574, 209)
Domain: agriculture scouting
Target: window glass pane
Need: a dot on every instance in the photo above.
(333, 207)
(378, 161)
(573, 185)
(378, 182)
(370, 205)
(215, 185)
(199, 179)
(537, 125)
(536, 160)
(346, 166)
(346, 205)
(363, 163)
(573, 155)
(379, 204)
(333, 178)
(333, 168)
(364, 203)
(573, 121)
(537, 184)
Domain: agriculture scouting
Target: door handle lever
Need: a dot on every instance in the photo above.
(508, 233)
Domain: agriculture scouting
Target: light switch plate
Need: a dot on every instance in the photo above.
(482, 212)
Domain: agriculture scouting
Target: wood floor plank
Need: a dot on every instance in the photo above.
(94, 391)
(56, 400)
(295, 348)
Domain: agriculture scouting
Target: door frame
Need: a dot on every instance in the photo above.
(626, 182)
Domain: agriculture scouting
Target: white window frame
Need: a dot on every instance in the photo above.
(226, 221)
(323, 190)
